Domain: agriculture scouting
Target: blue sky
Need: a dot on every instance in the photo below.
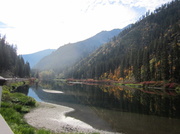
(3, 25)
(35, 25)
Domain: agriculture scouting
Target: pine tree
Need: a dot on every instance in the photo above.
(165, 62)
(177, 61)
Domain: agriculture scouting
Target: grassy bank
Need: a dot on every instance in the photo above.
(13, 108)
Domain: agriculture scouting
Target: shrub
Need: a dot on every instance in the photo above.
(22, 99)
(42, 131)
(11, 115)
(17, 107)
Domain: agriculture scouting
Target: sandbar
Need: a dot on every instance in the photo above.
(52, 91)
(53, 117)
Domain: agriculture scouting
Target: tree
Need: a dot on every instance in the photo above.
(165, 62)
(10, 64)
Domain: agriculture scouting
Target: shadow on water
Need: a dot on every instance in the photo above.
(115, 108)
(23, 89)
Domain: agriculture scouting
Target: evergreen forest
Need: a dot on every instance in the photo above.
(12, 65)
(149, 50)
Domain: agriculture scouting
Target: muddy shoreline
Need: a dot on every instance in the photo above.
(55, 118)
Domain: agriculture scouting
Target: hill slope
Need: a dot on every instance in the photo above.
(34, 58)
(69, 54)
(149, 50)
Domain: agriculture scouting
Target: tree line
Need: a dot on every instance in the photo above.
(12, 65)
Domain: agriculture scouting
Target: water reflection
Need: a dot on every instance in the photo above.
(113, 97)
(122, 109)
(138, 101)
(23, 89)
(28, 91)
(33, 94)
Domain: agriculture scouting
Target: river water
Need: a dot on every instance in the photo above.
(122, 109)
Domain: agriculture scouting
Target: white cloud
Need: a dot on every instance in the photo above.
(148, 4)
(41, 24)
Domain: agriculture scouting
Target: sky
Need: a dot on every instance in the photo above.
(35, 25)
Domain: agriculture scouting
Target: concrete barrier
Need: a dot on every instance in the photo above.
(4, 128)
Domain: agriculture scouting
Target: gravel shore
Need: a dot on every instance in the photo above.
(52, 117)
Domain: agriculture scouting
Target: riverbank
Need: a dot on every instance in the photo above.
(53, 117)
(162, 85)
(13, 107)
(40, 117)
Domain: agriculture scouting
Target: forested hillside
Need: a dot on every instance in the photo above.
(12, 65)
(148, 50)
(71, 53)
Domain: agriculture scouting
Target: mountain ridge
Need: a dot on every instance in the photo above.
(148, 50)
(35, 57)
(69, 54)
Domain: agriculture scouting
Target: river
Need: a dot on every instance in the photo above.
(116, 108)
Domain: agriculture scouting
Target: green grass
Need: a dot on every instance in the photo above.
(134, 85)
(61, 80)
(13, 108)
(129, 85)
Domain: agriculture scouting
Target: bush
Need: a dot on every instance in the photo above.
(17, 107)
(22, 99)
(42, 131)
(23, 129)
(11, 116)
(27, 131)
(6, 104)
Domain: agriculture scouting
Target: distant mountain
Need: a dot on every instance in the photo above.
(149, 50)
(34, 58)
(69, 54)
